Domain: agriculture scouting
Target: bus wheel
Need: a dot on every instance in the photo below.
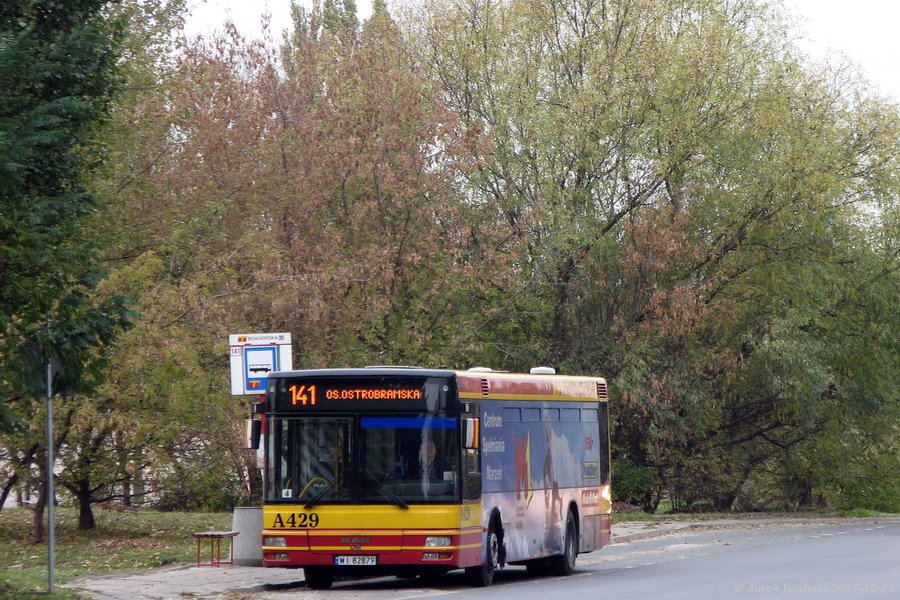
(317, 578)
(483, 575)
(564, 564)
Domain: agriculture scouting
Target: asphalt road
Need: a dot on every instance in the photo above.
(823, 560)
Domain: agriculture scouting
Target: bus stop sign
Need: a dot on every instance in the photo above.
(253, 356)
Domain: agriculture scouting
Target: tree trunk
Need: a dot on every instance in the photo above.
(19, 464)
(126, 468)
(10, 483)
(38, 511)
(138, 488)
(805, 499)
(126, 492)
(725, 500)
(86, 520)
(256, 485)
(559, 335)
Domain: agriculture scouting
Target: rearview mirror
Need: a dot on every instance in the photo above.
(254, 429)
(470, 433)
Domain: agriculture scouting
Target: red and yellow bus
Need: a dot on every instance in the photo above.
(410, 471)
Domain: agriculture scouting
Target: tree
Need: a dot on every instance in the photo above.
(339, 20)
(57, 75)
(320, 199)
(58, 71)
(685, 195)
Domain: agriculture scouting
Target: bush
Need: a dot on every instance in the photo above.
(882, 495)
(635, 484)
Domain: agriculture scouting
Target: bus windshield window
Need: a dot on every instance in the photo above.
(312, 460)
(412, 459)
(402, 459)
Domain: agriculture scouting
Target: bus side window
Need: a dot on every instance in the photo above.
(471, 467)
(604, 442)
(472, 477)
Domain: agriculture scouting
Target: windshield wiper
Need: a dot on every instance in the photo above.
(388, 493)
(315, 499)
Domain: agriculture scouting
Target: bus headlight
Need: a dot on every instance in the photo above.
(274, 541)
(437, 541)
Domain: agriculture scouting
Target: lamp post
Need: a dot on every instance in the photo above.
(51, 495)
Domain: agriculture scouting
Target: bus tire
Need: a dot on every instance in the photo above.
(318, 578)
(564, 564)
(483, 575)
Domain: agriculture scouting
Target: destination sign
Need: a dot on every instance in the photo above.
(307, 395)
(322, 394)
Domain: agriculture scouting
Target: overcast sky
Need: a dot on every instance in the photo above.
(865, 31)
(246, 14)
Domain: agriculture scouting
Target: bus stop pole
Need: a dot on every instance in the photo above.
(51, 533)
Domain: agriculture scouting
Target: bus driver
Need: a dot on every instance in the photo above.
(428, 466)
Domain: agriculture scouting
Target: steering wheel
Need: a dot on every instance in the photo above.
(312, 481)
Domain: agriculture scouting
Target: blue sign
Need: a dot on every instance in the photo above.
(258, 362)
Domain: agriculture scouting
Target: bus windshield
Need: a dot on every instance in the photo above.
(310, 459)
(370, 459)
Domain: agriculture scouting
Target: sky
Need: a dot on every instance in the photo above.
(246, 14)
(863, 31)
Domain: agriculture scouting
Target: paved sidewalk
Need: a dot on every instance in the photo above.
(220, 582)
(182, 582)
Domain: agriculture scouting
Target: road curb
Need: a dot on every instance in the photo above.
(270, 587)
(643, 535)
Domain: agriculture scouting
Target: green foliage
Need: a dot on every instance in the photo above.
(697, 215)
(870, 477)
(57, 75)
(339, 20)
(635, 484)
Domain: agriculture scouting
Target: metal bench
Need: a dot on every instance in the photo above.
(215, 547)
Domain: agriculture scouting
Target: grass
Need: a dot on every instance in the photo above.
(862, 513)
(124, 540)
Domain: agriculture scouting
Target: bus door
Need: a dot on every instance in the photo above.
(315, 459)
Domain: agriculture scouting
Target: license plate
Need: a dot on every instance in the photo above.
(354, 561)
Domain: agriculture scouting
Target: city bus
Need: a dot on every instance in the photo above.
(417, 472)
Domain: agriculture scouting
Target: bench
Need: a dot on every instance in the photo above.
(215, 547)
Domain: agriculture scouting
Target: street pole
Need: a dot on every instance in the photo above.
(51, 532)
